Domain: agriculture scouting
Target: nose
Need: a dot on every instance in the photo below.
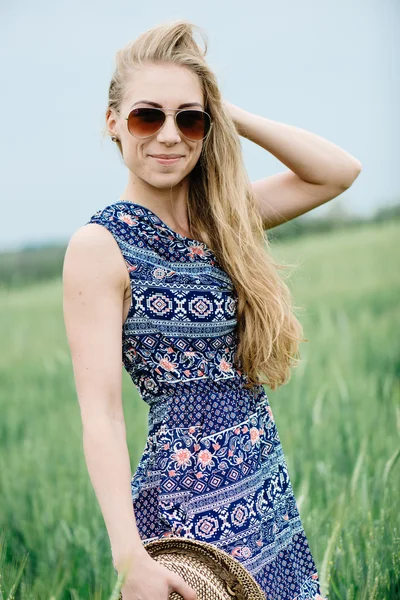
(169, 132)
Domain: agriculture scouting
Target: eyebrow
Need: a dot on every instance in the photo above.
(156, 105)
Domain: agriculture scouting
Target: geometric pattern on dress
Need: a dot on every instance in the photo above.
(213, 467)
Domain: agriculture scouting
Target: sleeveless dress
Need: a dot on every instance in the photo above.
(212, 468)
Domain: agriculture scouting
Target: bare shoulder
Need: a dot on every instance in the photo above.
(93, 254)
(93, 289)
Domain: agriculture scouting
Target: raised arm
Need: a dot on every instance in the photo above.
(318, 169)
(94, 278)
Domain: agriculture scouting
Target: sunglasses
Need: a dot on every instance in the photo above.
(195, 125)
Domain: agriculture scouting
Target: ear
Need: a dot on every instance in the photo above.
(111, 122)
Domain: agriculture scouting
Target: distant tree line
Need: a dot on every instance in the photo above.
(33, 264)
(338, 217)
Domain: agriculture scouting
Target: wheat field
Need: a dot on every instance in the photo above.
(338, 419)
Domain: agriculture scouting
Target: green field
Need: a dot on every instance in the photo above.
(338, 420)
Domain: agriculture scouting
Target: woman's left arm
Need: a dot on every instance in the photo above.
(319, 170)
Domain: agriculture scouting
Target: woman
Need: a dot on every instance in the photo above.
(176, 273)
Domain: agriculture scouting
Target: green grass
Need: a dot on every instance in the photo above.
(338, 419)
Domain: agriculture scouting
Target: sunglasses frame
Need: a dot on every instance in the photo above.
(177, 112)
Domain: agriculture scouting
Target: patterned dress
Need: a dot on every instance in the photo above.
(212, 468)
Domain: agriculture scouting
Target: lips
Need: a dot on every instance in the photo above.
(172, 159)
(166, 156)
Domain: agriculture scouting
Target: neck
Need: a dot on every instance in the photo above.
(170, 203)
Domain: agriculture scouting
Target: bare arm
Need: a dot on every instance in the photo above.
(318, 169)
(93, 284)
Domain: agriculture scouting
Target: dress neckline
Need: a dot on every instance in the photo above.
(162, 223)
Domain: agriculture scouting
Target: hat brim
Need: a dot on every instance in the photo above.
(212, 572)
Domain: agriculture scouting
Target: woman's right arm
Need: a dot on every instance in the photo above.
(94, 276)
(93, 289)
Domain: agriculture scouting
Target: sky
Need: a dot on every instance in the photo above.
(329, 67)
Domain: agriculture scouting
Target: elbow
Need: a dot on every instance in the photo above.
(345, 176)
(352, 176)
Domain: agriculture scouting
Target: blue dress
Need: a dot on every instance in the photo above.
(212, 468)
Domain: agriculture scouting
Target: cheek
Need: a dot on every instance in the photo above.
(134, 158)
(195, 156)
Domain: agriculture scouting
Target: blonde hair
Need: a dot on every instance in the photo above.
(223, 211)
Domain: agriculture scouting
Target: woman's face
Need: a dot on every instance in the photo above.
(170, 86)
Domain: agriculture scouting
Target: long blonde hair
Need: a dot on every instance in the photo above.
(223, 211)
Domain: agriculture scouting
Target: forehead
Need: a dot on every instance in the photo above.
(168, 85)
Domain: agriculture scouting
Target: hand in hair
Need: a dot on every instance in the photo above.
(235, 112)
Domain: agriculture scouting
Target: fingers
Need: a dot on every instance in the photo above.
(184, 589)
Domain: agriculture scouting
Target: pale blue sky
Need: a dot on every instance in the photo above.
(330, 67)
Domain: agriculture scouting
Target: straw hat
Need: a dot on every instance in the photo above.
(212, 572)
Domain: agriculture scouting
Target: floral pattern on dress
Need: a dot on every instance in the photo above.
(213, 467)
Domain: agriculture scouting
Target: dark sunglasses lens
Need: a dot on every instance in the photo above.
(143, 122)
(194, 124)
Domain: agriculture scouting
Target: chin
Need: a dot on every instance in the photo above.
(165, 180)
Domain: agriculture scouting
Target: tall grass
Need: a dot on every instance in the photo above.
(338, 419)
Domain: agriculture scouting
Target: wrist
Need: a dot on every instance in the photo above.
(238, 116)
(125, 558)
